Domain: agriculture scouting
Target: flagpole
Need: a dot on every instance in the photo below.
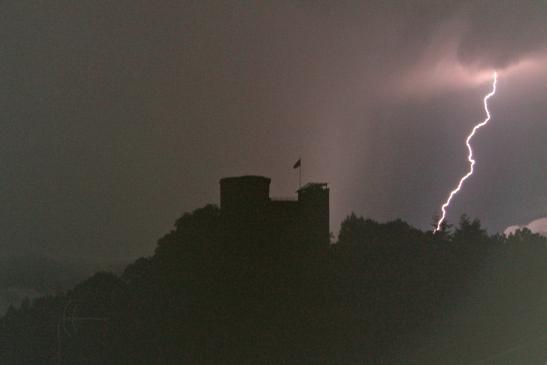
(298, 165)
(300, 175)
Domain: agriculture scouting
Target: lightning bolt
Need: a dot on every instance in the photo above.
(470, 155)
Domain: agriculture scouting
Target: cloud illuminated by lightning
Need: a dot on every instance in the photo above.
(470, 155)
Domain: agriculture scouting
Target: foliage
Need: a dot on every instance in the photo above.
(215, 292)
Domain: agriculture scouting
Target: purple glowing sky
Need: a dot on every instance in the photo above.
(116, 118)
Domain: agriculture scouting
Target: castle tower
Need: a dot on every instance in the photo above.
(247, 207)
(313, 201)
(244, 195)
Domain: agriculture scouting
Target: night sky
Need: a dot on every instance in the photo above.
(117, 117)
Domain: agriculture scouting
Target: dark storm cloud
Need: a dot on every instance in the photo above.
(499, 33)
(117, 117)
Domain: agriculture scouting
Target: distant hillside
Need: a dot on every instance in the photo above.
(35, 275)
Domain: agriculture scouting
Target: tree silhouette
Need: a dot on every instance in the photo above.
(221, 292)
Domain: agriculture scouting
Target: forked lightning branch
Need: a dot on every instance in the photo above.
(469, 156)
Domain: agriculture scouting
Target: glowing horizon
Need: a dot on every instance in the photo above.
(470, 154)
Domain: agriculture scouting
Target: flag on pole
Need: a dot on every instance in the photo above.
(296, 164)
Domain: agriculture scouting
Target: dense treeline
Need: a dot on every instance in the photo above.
(217, 293)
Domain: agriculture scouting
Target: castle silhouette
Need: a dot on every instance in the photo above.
(245, 202)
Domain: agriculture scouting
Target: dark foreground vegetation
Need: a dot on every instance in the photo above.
(214, 293)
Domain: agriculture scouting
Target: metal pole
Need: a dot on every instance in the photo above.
(300, 175)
